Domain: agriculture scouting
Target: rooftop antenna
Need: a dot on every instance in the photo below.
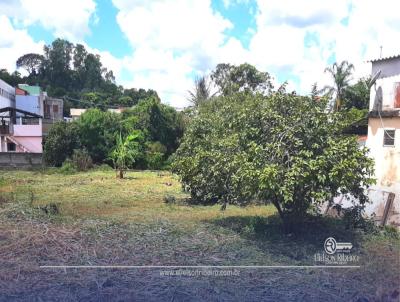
(381, 52)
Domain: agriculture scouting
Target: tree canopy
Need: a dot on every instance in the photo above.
(160, 127)
(230, 79)
(281, 148)
(67, 69)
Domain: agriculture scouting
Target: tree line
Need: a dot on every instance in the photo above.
(157, 129)
(67, 69)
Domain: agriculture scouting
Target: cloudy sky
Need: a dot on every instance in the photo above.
(163, 45)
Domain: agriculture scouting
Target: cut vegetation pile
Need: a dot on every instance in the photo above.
(95, 219)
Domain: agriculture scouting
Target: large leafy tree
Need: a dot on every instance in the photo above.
(230, 79)
(158, 121)
(282, 149)
(57, 63)
(31, 62)
(341, 75)
(98, 131)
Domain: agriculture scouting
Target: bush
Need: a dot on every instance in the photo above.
(81, 160)
(390, 231)
(68, 167)
(103, 167)
(155, 155)
(60, 142)
(154, 160)
(98, 132)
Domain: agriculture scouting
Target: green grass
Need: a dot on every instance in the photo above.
(108, 221)
(137, 198)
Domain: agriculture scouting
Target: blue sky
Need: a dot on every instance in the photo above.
(163, 44)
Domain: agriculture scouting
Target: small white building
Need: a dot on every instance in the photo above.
(76, 113)
(384, 136)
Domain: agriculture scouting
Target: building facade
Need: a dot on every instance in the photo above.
(24, 122)
(384, 135)
(7, 95)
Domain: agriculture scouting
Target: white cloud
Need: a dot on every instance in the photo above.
(172, 41)
(67, 19)
(14, 43)
(347, 30)
(301, 13)
(175, 40)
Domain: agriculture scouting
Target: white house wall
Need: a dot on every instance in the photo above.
(7, 95)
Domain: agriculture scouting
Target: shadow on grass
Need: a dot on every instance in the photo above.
(308, 238)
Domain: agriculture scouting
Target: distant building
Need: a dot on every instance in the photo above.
(384, 134)
(76, 113)
(7, 95)
(26, 114)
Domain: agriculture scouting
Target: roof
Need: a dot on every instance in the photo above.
(26, 113)
(77, 111)
(32, 90)
(384, 58)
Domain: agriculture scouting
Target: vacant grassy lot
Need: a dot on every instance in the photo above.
(48, 218)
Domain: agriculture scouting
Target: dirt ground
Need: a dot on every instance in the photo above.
(25, 247)
(92, 232)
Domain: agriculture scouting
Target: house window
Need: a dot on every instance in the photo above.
(388, 137)
(55, 108)
(47, 111)
(397, 95)
(11, 147)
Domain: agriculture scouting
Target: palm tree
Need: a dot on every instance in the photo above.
(201, 91)
(341, 74)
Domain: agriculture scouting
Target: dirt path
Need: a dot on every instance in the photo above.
(26, 246)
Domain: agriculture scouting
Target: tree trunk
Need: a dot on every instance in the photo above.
(278, 207)
(120, 174)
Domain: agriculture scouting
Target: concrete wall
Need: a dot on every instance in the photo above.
(27, 130)
(12, 160)
(387, 165)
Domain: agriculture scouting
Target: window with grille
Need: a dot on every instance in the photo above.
(388, 137)
(46, 111)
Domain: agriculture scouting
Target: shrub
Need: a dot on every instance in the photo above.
(103, 167)
(60, 142)
(98, 132)
(81, 160)
(67, 167)
(155, 155)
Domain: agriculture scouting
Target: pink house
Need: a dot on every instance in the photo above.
(20, 131)
(26, 115)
